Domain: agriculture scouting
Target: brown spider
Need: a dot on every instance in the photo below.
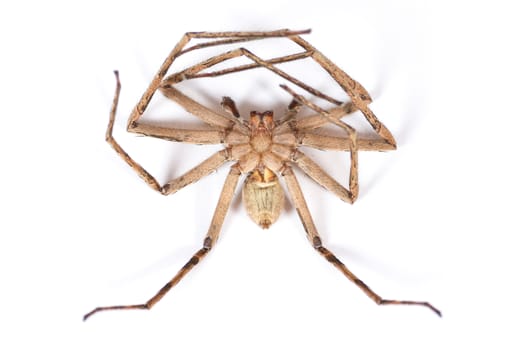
(261, 147)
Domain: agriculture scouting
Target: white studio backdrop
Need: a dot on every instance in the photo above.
(438, 219)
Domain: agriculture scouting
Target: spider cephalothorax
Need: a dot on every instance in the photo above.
(261, 148)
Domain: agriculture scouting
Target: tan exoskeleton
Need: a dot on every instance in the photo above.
(261, 147)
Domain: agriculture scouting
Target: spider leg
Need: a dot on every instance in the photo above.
(191, 72)
(288, 77)
(211, 237)
(225, 38)
(234, 37)
(318, 120)
(211, 117)
(311, 231)
(308, 123)
(193, 136)
(335, 143)
(315, 171)
(194, 72)
(252, 35)
(349, 85)
(193, 107)
(193, 175)
(276, 60)
(360, 97)
(198, 110)
(198, 172)
(147, 177)
(207, 115)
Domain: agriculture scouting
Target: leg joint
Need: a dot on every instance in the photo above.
(208, 243)
(316, 241)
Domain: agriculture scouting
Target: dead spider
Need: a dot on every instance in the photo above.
(261, 147)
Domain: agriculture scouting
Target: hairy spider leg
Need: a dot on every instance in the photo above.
(226, 37)
(311, 231)
(211, 237)
(315, 171)
(360, 97)
(201, 170)
(208, 116)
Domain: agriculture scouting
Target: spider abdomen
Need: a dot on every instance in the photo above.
(263, 197)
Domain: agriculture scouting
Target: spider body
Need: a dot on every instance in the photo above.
(261, 148)
(263, 196)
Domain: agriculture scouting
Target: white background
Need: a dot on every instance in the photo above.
(440, 219)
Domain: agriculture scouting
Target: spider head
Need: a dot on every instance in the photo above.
(261, 122)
